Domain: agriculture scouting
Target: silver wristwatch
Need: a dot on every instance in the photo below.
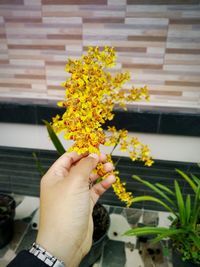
(45, 256)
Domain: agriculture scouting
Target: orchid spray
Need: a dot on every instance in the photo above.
(91, 94)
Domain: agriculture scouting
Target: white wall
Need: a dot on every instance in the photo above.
(164, 147)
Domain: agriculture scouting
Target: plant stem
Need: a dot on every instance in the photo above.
(115, 146)
(116, 163)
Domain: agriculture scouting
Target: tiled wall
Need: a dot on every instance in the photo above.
(158, 41)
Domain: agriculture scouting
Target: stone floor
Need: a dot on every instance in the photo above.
(119, 250)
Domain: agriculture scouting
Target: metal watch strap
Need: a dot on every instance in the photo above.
(45, 256)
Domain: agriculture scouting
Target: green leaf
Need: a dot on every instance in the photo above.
(195, 239)
(161, 232)
(145, 231)
(154, 188)
(188, 208)
(161, 186)
(55, 140)
(196, 179)
(187, 178)
(154, 199)
(196, 207)
(180, 202)
(38, 164)
(196, 217)
(169, 233)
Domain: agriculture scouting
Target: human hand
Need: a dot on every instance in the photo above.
(66, 205)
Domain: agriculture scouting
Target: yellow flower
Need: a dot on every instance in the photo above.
(133, 155)
(145, 151)
(137, 94)
(123, 134)
(112, 129)
(122, 194)
(135, 142)
(123, 146)
(149, 162)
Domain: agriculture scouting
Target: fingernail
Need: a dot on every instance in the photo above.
(111, 179)
(94, 156)
(108, 166)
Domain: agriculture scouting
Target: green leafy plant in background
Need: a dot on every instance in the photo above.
(184, 230)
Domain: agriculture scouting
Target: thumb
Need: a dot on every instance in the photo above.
(85, 166)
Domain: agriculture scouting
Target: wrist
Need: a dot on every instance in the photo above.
(44, 256)
(57, 249)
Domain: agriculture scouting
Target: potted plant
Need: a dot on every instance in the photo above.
(91, 93)
(7, 213)
(101, 222)
(184, 229)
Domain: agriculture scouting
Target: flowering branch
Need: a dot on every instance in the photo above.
(91, 93)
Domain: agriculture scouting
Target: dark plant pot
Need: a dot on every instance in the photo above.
(177, 260)
(101, 221)
(7, 214)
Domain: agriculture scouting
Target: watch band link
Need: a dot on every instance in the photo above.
(45, 256)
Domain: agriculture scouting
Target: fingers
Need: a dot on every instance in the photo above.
(85, 166)
(100, 188)
(108, 167)
(79, 166)
(102, 157)
(67, 160)
(60, 169)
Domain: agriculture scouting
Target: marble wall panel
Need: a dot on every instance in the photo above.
(157, 41)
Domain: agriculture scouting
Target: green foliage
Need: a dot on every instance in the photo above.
(55, 140)
(38, 164)
(184, 230)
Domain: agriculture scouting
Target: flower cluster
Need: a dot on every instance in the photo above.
(137, 151)
(91, 93)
